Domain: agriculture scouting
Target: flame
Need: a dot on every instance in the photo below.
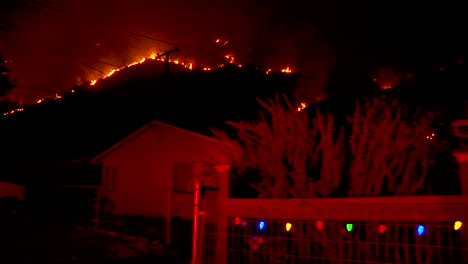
(154, 55)
(112, 72)
(13, 111)
(230, 57)
(301, 107)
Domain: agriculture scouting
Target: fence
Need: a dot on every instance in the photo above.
(100, 206)
(424, 229)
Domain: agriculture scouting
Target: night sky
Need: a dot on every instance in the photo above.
(55, 49)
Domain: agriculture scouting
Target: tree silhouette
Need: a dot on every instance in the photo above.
(284, 148)
(385, 152)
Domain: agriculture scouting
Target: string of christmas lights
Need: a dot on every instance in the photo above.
(349, 227)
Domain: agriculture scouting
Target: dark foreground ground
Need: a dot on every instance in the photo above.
(31, 240)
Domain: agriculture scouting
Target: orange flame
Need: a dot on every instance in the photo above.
(287, 70)
(93, 82)
(230, 57)
(301, 107)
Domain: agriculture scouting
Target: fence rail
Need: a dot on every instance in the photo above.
(423, 229)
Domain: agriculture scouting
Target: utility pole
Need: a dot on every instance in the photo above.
(167, 54)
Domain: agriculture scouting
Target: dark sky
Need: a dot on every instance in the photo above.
(53, 50)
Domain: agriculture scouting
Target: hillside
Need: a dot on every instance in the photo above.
(53, 141)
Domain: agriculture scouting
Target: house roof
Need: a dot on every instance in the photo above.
(141, 130)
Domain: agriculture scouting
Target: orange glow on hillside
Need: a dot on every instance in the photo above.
(185, 63)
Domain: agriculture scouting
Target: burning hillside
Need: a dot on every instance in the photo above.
(56, 44)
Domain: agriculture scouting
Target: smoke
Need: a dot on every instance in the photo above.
(53, 50)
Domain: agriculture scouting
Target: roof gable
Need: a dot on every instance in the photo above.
(143, 129)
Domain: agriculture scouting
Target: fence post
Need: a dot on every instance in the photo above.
(196, 210)
(97, 209)
(223, 195)
(168, 217)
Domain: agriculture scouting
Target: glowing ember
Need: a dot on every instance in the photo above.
(189, 65)
(386, 86)
(301, 107)
(13, 111)
(230, 57)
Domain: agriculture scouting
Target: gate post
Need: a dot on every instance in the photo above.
(223, 195)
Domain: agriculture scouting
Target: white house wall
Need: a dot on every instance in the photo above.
(145, 168)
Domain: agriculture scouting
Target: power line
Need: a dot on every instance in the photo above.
(143, 35)
(35, 89)
(126, 31)
(118, 28)
(64, 53)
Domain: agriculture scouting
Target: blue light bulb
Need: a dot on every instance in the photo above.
(421, 230)
(261, 225)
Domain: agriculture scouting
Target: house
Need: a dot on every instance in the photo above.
(150, 172)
